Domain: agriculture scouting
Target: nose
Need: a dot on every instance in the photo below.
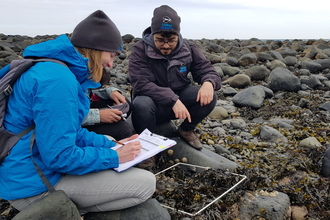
(166, 45)
(110, 63)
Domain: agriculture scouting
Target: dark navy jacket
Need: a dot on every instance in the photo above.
(161, 77)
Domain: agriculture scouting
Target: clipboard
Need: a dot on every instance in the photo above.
(151, 143)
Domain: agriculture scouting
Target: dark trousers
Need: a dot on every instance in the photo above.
(147, 114)
(118, 130)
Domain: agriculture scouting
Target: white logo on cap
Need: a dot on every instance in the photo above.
(166, 19)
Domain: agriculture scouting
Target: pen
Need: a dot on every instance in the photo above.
(118, 142)
(122, 116)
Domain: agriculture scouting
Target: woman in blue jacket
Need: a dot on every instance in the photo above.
(53, 97)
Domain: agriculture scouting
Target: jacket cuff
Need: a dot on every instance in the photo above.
(93, 117)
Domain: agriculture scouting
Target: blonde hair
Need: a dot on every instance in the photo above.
(94, 64)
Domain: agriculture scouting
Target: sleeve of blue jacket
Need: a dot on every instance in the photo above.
(59, 107)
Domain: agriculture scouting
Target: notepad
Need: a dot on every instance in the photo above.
(151, 143)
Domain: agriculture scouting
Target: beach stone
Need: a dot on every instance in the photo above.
(220, 149)
(270, 134)
(287, 52)
(237, 122)
(215, 48)
(240, 81)
(281, 79)
(247, 59)
(274, 205)
(229, 91)
(234, 53)
(291, 61)
(227, 69)
(219, 71)
(214, 58)
(325, 63)
(321, 55)
(298, 212)
(204, 157)
(305, 72)
(268, 92)
(232, 61)
(218, 113)
(276, 63)
(312, 66)
(275, 55)
(251, 97)
(263, 57)
(325, 106)
(257, 73)
(325, 169)
(150, 209)
(310, 142)
(327, 52)
(297, 46)
(312, 81)
(127, 38)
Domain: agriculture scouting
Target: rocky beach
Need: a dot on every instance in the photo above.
(271, 124)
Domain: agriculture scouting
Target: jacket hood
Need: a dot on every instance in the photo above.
(62, 49)
(147, 37)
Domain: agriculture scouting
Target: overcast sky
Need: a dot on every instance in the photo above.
(210, 19)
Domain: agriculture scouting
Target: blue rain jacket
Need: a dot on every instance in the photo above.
(52, 97)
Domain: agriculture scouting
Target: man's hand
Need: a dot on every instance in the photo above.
(205, 93)
(117, 97)
(181, 111)
(109, 115)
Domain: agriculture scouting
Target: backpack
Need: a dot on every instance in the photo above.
(11, 73)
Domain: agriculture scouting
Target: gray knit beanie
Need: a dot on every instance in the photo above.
(97, 32)
(165, 19)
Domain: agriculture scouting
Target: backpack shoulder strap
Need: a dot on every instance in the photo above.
(50, 60)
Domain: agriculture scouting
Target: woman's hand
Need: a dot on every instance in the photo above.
(129, 151)
(134, 136)
(108, 115)
(117, 97)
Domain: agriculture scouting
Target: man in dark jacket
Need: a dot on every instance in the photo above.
(159, 65)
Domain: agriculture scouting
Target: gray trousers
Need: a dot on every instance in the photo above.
(102, 191)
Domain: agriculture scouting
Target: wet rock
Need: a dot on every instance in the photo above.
(204, 157)
(247, 59)
(150, 209)
(270, 134)
(257, 73)
(310, 142)
(239, 81)
(274, 205)
(298, 212)
(325, 106)
(227, 69)
(252, 97)
(229, 91)
(312, 66)
(312, 81)
(325, 169)
(218, 113)
(281, 79)
(276, 63)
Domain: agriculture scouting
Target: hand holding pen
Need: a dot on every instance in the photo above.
(108, 115)
(129, 150)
